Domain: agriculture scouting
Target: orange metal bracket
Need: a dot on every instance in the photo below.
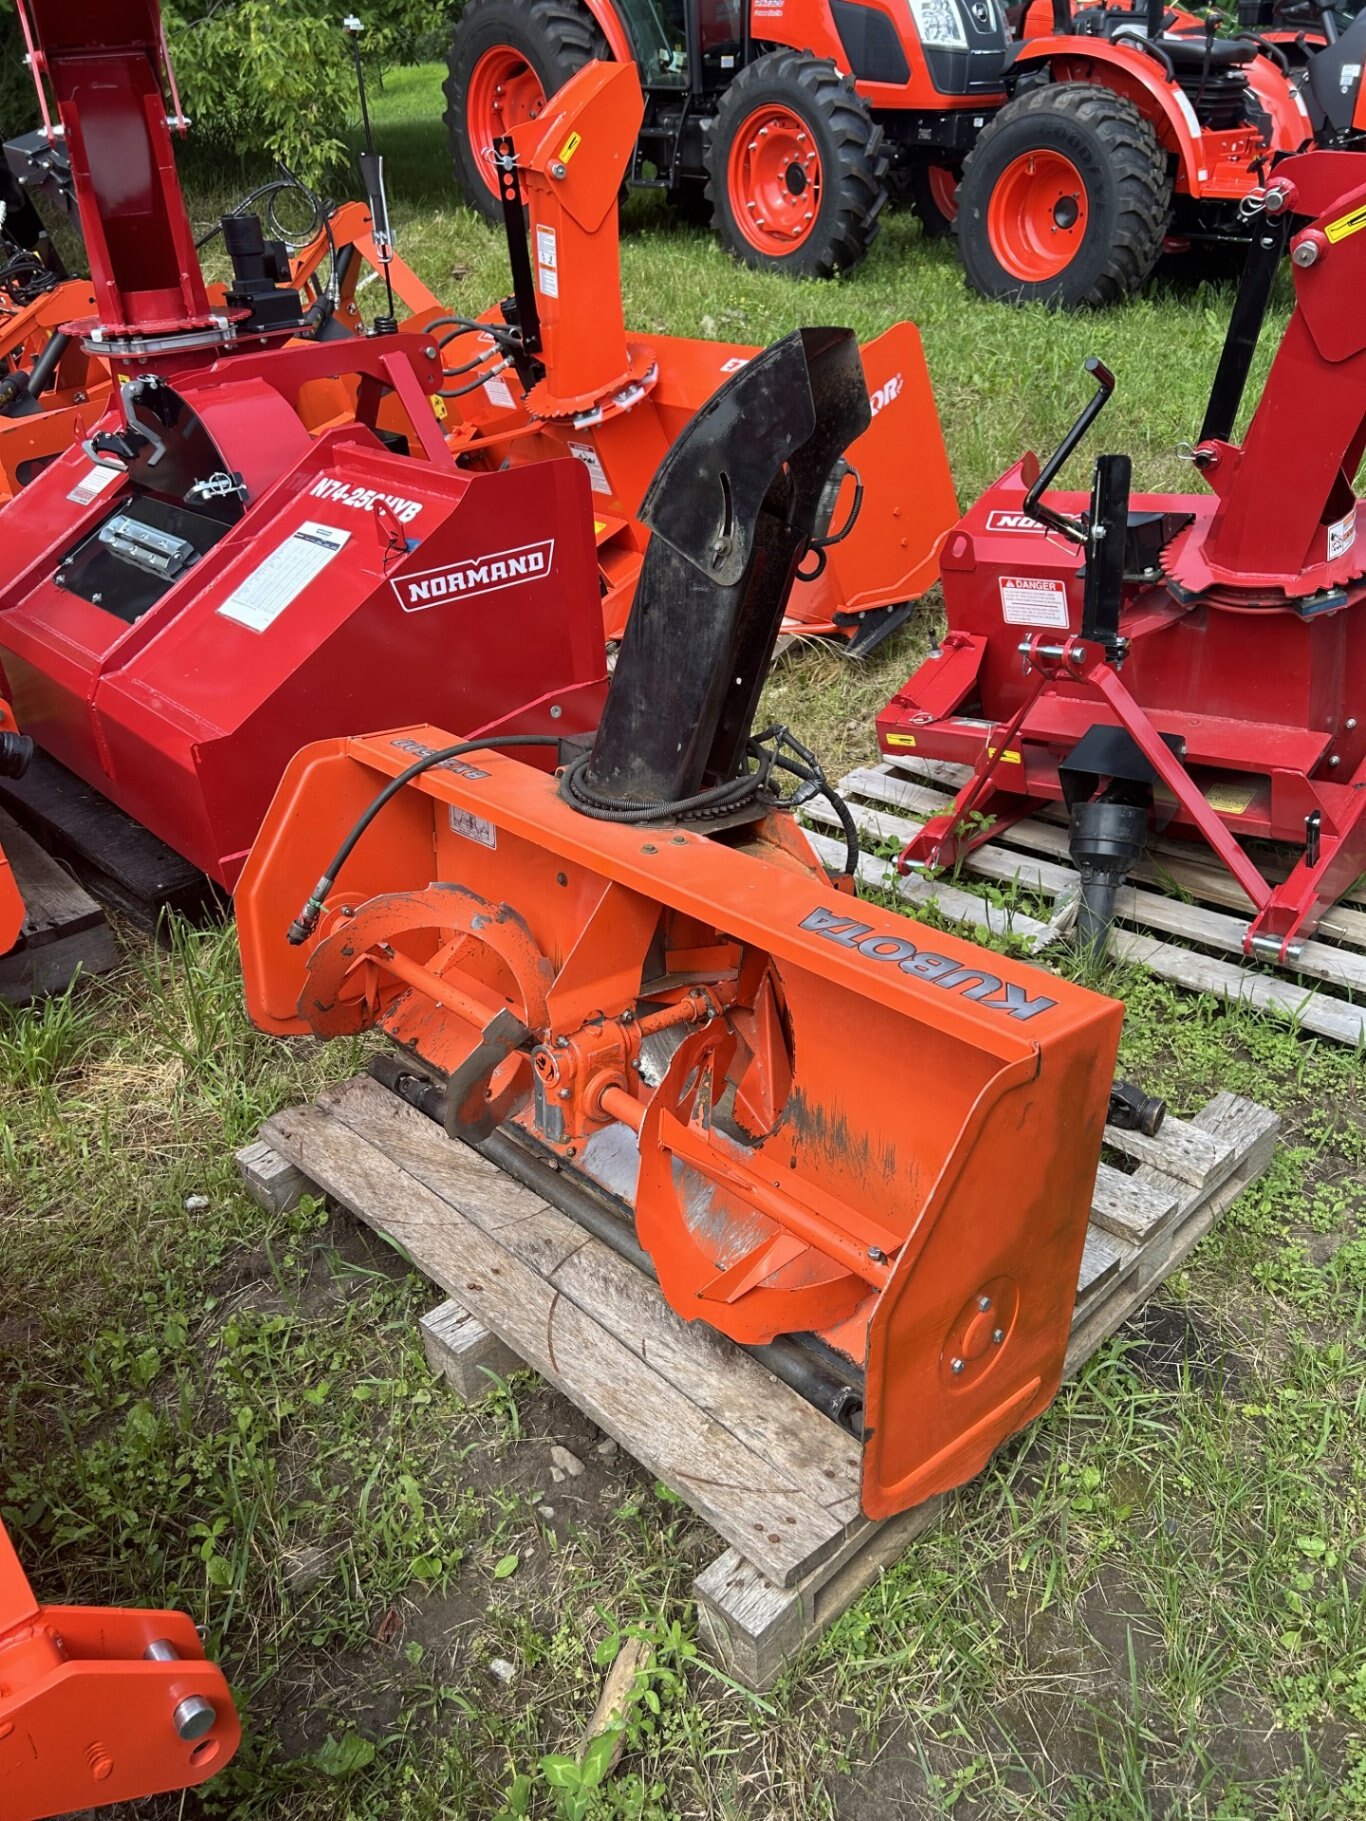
(101, 1704)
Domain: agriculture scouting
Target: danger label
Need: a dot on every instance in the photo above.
(597, 474)
(472, 827)
(1342, 536)
(1033, 600)
(93, 483)
(547, 263)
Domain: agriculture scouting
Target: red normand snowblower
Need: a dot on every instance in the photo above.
(634, 985)
(1182, 660)
(266, 540)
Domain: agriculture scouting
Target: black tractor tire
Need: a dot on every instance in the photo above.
(555, 37)
(847, 141)
(925, 197)
(1128, 186)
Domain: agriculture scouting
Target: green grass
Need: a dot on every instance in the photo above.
(1149, 1606)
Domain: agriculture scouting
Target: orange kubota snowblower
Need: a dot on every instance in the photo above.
(864, 1148)
(555, 371)
(100, 1704)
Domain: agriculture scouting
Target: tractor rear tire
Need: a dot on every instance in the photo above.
(796, 167)
(508, 57)
(1065, 200)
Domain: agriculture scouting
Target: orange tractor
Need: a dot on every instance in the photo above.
(1067, 147)
(637, 971)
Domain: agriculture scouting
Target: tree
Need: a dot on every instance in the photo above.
(272, 76)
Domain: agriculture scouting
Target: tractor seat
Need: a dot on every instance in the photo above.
(1185, 49)
(1188, 50)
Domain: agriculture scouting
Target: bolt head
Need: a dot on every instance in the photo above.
(984, 1303)
(194, 1717)
(955, 1365)
(997, 1336)
(1305, 254)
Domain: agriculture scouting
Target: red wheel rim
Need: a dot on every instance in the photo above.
(943, 185)
(504, 92)
(1036, 219)
(774, 180)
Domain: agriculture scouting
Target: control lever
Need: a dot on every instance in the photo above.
(1076, 530)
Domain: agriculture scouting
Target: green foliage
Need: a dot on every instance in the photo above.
(18, 107)
(276, 76)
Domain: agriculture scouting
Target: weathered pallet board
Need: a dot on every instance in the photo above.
(65, 932)
(1192, 901)
(777, 1480)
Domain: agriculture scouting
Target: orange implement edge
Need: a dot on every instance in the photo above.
(102, 1704)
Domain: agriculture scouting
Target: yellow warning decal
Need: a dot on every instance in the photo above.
(599, 526)
(901, 739)
(1006, 758)
(438, 405)
(570, 146)
(1231, 799)
(1346, 224)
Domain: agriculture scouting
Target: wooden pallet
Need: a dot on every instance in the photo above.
(65, 932)
(1181, 894)
(777, 1480)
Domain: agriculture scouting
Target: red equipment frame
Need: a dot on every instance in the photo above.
(101, 1705)
(1247, 652)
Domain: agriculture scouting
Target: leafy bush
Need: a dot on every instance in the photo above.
(272, 76)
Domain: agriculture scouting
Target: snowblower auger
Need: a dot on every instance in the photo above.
(562, 375)
(640, 970)
(101, 1704)
(1194, 661)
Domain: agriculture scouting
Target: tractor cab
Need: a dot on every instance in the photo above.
(681, 46)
